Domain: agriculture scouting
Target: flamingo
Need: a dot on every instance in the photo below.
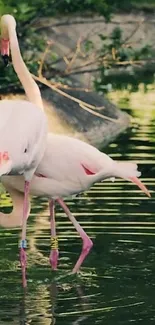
(69, 166)
(23, 127)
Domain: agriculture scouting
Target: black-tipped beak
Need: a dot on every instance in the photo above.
(5, 60)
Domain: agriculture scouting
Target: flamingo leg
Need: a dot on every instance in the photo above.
(54, 240)
(23, 243)
(87, 242)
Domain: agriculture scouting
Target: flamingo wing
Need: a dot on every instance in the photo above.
(69, 158)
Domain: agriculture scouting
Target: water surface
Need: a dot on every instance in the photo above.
(116, 284)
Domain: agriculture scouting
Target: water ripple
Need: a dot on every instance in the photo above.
(116, 283)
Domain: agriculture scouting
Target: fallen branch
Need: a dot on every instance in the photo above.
(88, 107)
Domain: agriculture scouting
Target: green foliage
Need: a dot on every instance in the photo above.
(26, 12)
(88, 45)
(121, 64)
(114, 41)
(116, 36)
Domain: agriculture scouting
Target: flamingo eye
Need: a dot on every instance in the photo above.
(25, 150)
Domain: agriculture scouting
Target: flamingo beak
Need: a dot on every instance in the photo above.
(137, 181)
(5, 49)
(5, 60)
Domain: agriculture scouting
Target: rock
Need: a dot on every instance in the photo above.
(96, 130)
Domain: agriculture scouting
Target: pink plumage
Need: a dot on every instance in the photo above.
(69, 166)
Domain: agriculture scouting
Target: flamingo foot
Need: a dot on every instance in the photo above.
(54, 255)
(87, 245)
(23, 261)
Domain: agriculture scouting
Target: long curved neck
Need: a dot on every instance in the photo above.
(14, 219)
(31, 88)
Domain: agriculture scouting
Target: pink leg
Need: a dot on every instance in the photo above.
(54, 240)
(22, 255)
(23, 243)
(87, 243)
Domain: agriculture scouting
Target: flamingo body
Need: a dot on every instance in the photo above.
(70, 166)
(23, 130)
(23, 127)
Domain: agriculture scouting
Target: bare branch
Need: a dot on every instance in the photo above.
(49, 44)
(88, 107)
(139, 23)
(78, 49)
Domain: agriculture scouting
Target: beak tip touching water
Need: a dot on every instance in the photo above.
(140, 185)
(149, 195)
(5, 60)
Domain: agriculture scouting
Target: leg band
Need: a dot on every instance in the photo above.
(54, 242)
(23, 244)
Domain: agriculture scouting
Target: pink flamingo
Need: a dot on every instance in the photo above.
(69, 166)
(23, 127)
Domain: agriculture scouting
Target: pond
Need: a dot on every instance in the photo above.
(116, 283)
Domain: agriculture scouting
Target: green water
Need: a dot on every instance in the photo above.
(116, 284)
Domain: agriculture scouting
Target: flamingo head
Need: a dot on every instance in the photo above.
(7, 24)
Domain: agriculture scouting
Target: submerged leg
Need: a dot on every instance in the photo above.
(87, 242)
(54, 240)
(23, 243)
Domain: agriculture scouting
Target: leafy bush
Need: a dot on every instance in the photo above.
(124, 65)
(27, 11)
